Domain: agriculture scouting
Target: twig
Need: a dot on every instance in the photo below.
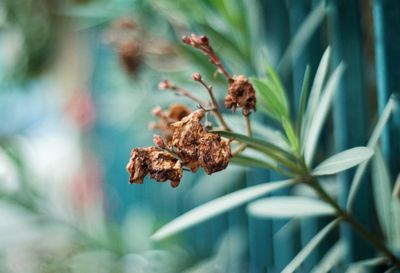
(197, 77)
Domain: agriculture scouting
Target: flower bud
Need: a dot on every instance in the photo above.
(158, 141)
(165, 84)
(196, 76)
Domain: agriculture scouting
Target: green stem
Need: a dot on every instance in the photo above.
(360, 229)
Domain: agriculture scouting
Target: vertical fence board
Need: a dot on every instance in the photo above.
(386, 14)
(350, 114)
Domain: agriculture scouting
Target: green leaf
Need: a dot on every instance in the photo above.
(343, 161)
(289, 207)
(315, 93)
(271, 102)
(302, 36)
(217, 207)
(247, 161)
(330, 259)
(381, 185)
(396, 188)
(287, 126)
(303, 254)
(361, 266)
(279, 90)
(305, 89)
(266, 147)
(260, 130)
(376, 133)
(318, 118)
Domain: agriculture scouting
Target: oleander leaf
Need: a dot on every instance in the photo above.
(217, 207)
(343, 161)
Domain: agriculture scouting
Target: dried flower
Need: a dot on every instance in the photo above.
(202, 42)
(186, 137)
(159, 164)
(214, 153)
(175, 113)
(241, 94)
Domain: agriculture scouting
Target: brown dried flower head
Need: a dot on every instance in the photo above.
(241, 94)
(166, 118)
(198, 148)
(214, 153)
(159, 164)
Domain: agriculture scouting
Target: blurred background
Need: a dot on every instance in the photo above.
(78, 81)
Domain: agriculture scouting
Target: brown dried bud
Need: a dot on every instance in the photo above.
(196, 41)
(196, 76)
(159, 142)
(241, 94)
(165, 84)
(186, 137)
(160, 165)
(214, 153)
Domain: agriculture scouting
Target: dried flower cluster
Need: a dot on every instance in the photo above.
(190, 145)
(184, 142)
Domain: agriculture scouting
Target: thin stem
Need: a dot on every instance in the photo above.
(183, 92)
(248, 125)
(360, 229)
(215, 105)
(239, 149)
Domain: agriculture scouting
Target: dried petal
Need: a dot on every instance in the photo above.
(214, 153)
(186, 137)
(241, 94)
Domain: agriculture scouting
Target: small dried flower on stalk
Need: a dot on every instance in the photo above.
(241, 94)
(175, 113)
(159, 164)
(202, 42)
(214, 153)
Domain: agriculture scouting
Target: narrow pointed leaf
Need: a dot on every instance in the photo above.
(305, 89)
(377, 132)
(247, 161)
(396, 188)
(362, 266)
(302, 36)
(321, 113)
(291, 135)
(289, 207)
(303, 254)
(381, 185)
(343, 161)
(330, 259)
(315, 92)
(262, 145)
(217, 207)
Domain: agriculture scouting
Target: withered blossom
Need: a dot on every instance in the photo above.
(198, 148)
(241, 94)
(214, 153)
(186, 138)
(159, 164)
(175, 113)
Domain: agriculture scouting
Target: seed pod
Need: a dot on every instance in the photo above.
(241, 94)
